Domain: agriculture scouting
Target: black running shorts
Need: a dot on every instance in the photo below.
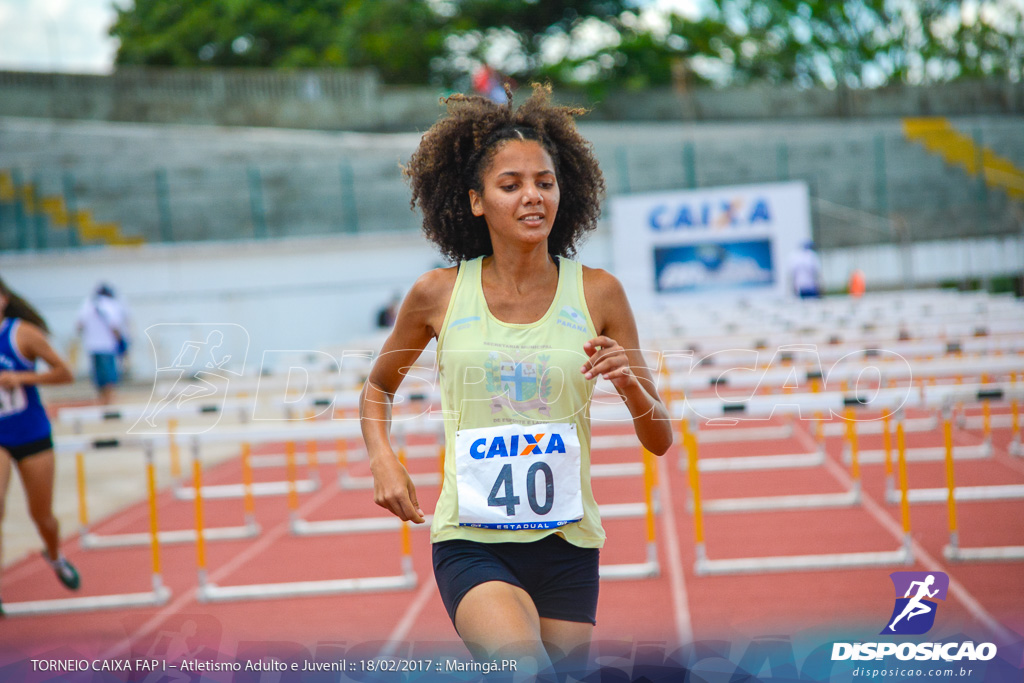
(561, 578)
(22, 451)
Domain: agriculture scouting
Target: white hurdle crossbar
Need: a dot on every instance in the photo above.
(159, 595)
(92, 540)
(954, 551)
(705, 566)
(246, 434)
(647, 508)
(210, 592)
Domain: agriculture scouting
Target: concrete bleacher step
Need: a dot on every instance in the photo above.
(310, 180)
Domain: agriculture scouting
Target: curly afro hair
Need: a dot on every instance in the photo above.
(455, 151)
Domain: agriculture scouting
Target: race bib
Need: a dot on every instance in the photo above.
(518, 477)
(12, 401)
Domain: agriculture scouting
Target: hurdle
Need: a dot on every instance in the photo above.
(597, 471)
(420, 428)
(650, 568)
(912, 424)
(91, 540)
(428, 427)
(705, 566)
(953, 551)
(982, 393)
(159, 595)
(725, 412)
(952, 494)
(302, 527)
(211, 592)
(76, 416)
(988, 422)
(939, 396)
(260, 489)
(401, 430)
(808, 501)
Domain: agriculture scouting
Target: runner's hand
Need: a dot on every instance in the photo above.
(10, 379)
(393, 489)
(608, 360)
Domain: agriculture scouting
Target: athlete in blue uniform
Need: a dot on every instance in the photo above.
(25, 438)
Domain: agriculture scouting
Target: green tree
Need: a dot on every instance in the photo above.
(513, 35)
(397, 37)
(855, 43)
(598, 44)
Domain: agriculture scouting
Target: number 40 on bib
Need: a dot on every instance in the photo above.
(519, 476)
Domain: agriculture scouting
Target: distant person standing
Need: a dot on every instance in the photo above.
(805, 272)
(387, 314)
(103, 325)
(26, 442)
(490, 83)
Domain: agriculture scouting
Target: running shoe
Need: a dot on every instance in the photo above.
(65, 571)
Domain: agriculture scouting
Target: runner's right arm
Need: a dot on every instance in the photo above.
(419, 320)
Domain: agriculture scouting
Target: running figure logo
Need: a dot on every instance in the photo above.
(914, 613)
(195, 364)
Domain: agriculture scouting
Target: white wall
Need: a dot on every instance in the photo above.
(925, 263)
(294, 294)
(315, 293)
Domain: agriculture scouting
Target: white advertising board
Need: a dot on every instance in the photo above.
(716, 240)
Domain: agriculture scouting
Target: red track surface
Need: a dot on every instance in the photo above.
(674, 608)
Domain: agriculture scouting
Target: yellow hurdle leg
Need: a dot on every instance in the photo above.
(649, 476)
(887, 446)
(293, 494)
(947, 428)
(249, 502)
(154, 530)
(197, 482)
(851, 436)
(83, 506)
(694, 476)
(405, 535)
(1015, 409)
(901, 446)
(987, 420)
(172, 442)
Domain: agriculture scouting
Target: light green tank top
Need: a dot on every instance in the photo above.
(495, 375)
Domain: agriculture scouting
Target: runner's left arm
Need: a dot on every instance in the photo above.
(615, 355)
(33, 344)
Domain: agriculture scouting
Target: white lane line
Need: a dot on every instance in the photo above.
(405, 624)
(676, 577)
(957, 589)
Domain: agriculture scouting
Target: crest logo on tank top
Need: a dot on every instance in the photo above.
(520, 386)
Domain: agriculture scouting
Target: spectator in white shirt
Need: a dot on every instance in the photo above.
(805, 272)
(103, 325)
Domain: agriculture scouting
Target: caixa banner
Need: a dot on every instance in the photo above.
(716, 240)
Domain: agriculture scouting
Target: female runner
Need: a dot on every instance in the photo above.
(522, 332)
(25, 440)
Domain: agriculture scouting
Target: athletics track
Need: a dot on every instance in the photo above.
(678, 607)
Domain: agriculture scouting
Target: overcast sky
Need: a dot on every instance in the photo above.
(56, 35)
